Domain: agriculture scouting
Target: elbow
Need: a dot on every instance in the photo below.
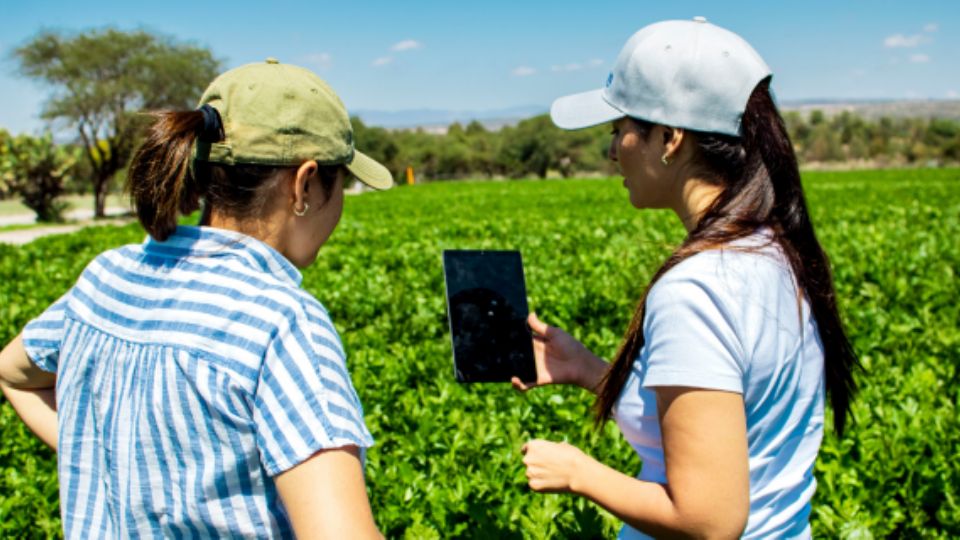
(718, 529)
(719, 524)
(6, 384)
(40, 381)
(721, 533)
(700, 532)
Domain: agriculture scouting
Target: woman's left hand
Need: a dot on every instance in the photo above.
(553, 467)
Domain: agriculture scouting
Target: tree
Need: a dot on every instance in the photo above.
(483, 149)
(817, 117)
(582, 150)
(824, 144)
(531, 147)
(377, 143)
(6, 189)
(102, 78)
(36, 169)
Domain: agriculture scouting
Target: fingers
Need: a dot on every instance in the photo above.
(536, 324)
(532, 444)
(527, 446)
(540, 486)
(519, 385)
(540, 478)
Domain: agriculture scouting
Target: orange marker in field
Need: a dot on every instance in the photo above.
(410, 179)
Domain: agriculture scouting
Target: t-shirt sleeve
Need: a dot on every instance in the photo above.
(43, 336)
(690, 337)
(305, 401)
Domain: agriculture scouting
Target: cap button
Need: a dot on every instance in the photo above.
(700, 19)
(272, 60)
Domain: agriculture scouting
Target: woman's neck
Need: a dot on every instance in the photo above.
(262, 230)
(696, 197)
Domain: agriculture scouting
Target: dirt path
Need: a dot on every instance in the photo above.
(78, 214)
(81, 218)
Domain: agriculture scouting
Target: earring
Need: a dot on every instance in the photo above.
(664, 160)
(301, 213)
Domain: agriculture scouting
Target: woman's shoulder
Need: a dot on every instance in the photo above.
(743, 260)
(234, 281)
(752, 267)
(313, 309)
(111, 264)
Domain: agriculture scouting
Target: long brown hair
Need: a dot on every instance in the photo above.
(163, 185)
(761, 187)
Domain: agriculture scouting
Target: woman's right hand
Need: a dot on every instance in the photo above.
(561, 359)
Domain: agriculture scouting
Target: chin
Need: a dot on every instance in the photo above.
(638, 202)
(304, 261)
(647, 200)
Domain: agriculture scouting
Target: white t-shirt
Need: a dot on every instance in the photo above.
(730, 320)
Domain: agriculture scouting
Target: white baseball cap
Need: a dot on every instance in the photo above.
(689, 74)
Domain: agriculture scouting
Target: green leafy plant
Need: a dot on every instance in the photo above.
(447, 463)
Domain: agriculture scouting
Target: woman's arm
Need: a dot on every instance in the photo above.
(708, 484)
(30, 390)
(326, 497)
(561, 359)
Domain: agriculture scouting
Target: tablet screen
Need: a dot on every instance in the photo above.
(487, 309)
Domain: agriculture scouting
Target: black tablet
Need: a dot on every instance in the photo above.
(487, 310)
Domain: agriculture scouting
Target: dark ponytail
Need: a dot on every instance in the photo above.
(160, 182)
(761, 187)
(765, 131)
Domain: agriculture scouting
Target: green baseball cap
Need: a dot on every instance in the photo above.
(282, 115)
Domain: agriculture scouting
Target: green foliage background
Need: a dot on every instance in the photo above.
(535, 147)
(447, 460)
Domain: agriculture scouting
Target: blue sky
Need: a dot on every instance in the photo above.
(494, 54)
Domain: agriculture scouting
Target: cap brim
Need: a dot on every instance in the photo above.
(583, 110)
(370, 171)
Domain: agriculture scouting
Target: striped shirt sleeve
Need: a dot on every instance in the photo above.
(43, 336)
(305, 401)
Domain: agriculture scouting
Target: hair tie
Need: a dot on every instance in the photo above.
(212, 130)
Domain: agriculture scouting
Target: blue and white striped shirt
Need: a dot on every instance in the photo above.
(189, 372)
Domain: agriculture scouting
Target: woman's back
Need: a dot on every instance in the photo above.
(730, 320)
(199, 391)
(190, 372)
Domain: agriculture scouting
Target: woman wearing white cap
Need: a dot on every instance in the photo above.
(719, 384)
(190, 385)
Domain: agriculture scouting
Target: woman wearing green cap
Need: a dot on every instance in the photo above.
(719, 384)
(189, 384)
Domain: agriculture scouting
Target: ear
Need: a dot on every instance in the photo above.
(301, 182)
(672, 139)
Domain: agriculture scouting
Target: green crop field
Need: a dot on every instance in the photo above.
(447, 460)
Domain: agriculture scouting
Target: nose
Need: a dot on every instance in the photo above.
(612, 150)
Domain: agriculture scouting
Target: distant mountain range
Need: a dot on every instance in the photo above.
(873, 109)
(437, 120)
(434, 119)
